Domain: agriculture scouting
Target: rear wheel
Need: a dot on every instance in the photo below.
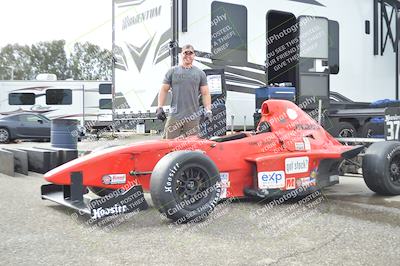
(381, 167)
(343, 130)
(4, 135)
(370, 130)
(184, 186)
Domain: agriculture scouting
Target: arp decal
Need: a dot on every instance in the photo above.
(308, 182)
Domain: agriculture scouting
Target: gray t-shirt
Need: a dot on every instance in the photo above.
(185, 86)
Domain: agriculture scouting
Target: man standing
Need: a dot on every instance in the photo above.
(185, 82)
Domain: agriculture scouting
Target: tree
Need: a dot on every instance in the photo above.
(15, 61)
(90, 62)
(50, 57)
(87, 61)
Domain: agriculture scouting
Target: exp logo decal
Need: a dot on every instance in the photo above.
(271, 180)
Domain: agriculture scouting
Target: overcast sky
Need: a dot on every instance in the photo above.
(31, 21)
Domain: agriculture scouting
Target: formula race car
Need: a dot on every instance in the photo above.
(188, 177)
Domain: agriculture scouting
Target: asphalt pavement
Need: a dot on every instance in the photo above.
(343, 225)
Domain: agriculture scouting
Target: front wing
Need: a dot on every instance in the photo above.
(72, 196)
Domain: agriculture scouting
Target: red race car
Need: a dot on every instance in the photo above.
(186, 178)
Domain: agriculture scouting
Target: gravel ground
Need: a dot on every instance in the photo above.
(344, 225)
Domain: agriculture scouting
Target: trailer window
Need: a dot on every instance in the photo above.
(228, 33)
(21, 98)
(333, 47)
(59, 97)
(105, 88)
(105, 104)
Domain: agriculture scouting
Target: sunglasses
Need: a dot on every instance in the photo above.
(188, 53)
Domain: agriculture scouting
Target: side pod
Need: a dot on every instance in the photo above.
(115, 203)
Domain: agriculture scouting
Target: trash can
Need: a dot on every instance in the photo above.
(64, 133)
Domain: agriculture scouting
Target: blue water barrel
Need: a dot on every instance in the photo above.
(64, 133)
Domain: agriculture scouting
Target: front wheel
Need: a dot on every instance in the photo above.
(185, 186)
(4, 135)
(381, 167)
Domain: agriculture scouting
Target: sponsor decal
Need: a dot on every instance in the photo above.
(116, 209)
(307, 144)
(141, 17)
(296, 165)
(271, 180)
(299, 146)
(314, 173)
(308, 182)
(171, 174)
(307, 127)
(114, 179)
(225, 183)
(290, 183)
(298, 182)
(292, 114)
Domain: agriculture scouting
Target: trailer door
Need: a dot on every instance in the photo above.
(142, 38)
(313, 69)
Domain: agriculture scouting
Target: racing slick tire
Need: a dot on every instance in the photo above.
(381, 167)
(185, 186)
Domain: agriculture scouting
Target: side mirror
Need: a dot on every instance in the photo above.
(40, 121)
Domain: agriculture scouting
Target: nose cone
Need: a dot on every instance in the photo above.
(61, 175)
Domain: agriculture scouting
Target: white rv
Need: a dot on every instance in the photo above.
(317, 46)
(86, 101)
